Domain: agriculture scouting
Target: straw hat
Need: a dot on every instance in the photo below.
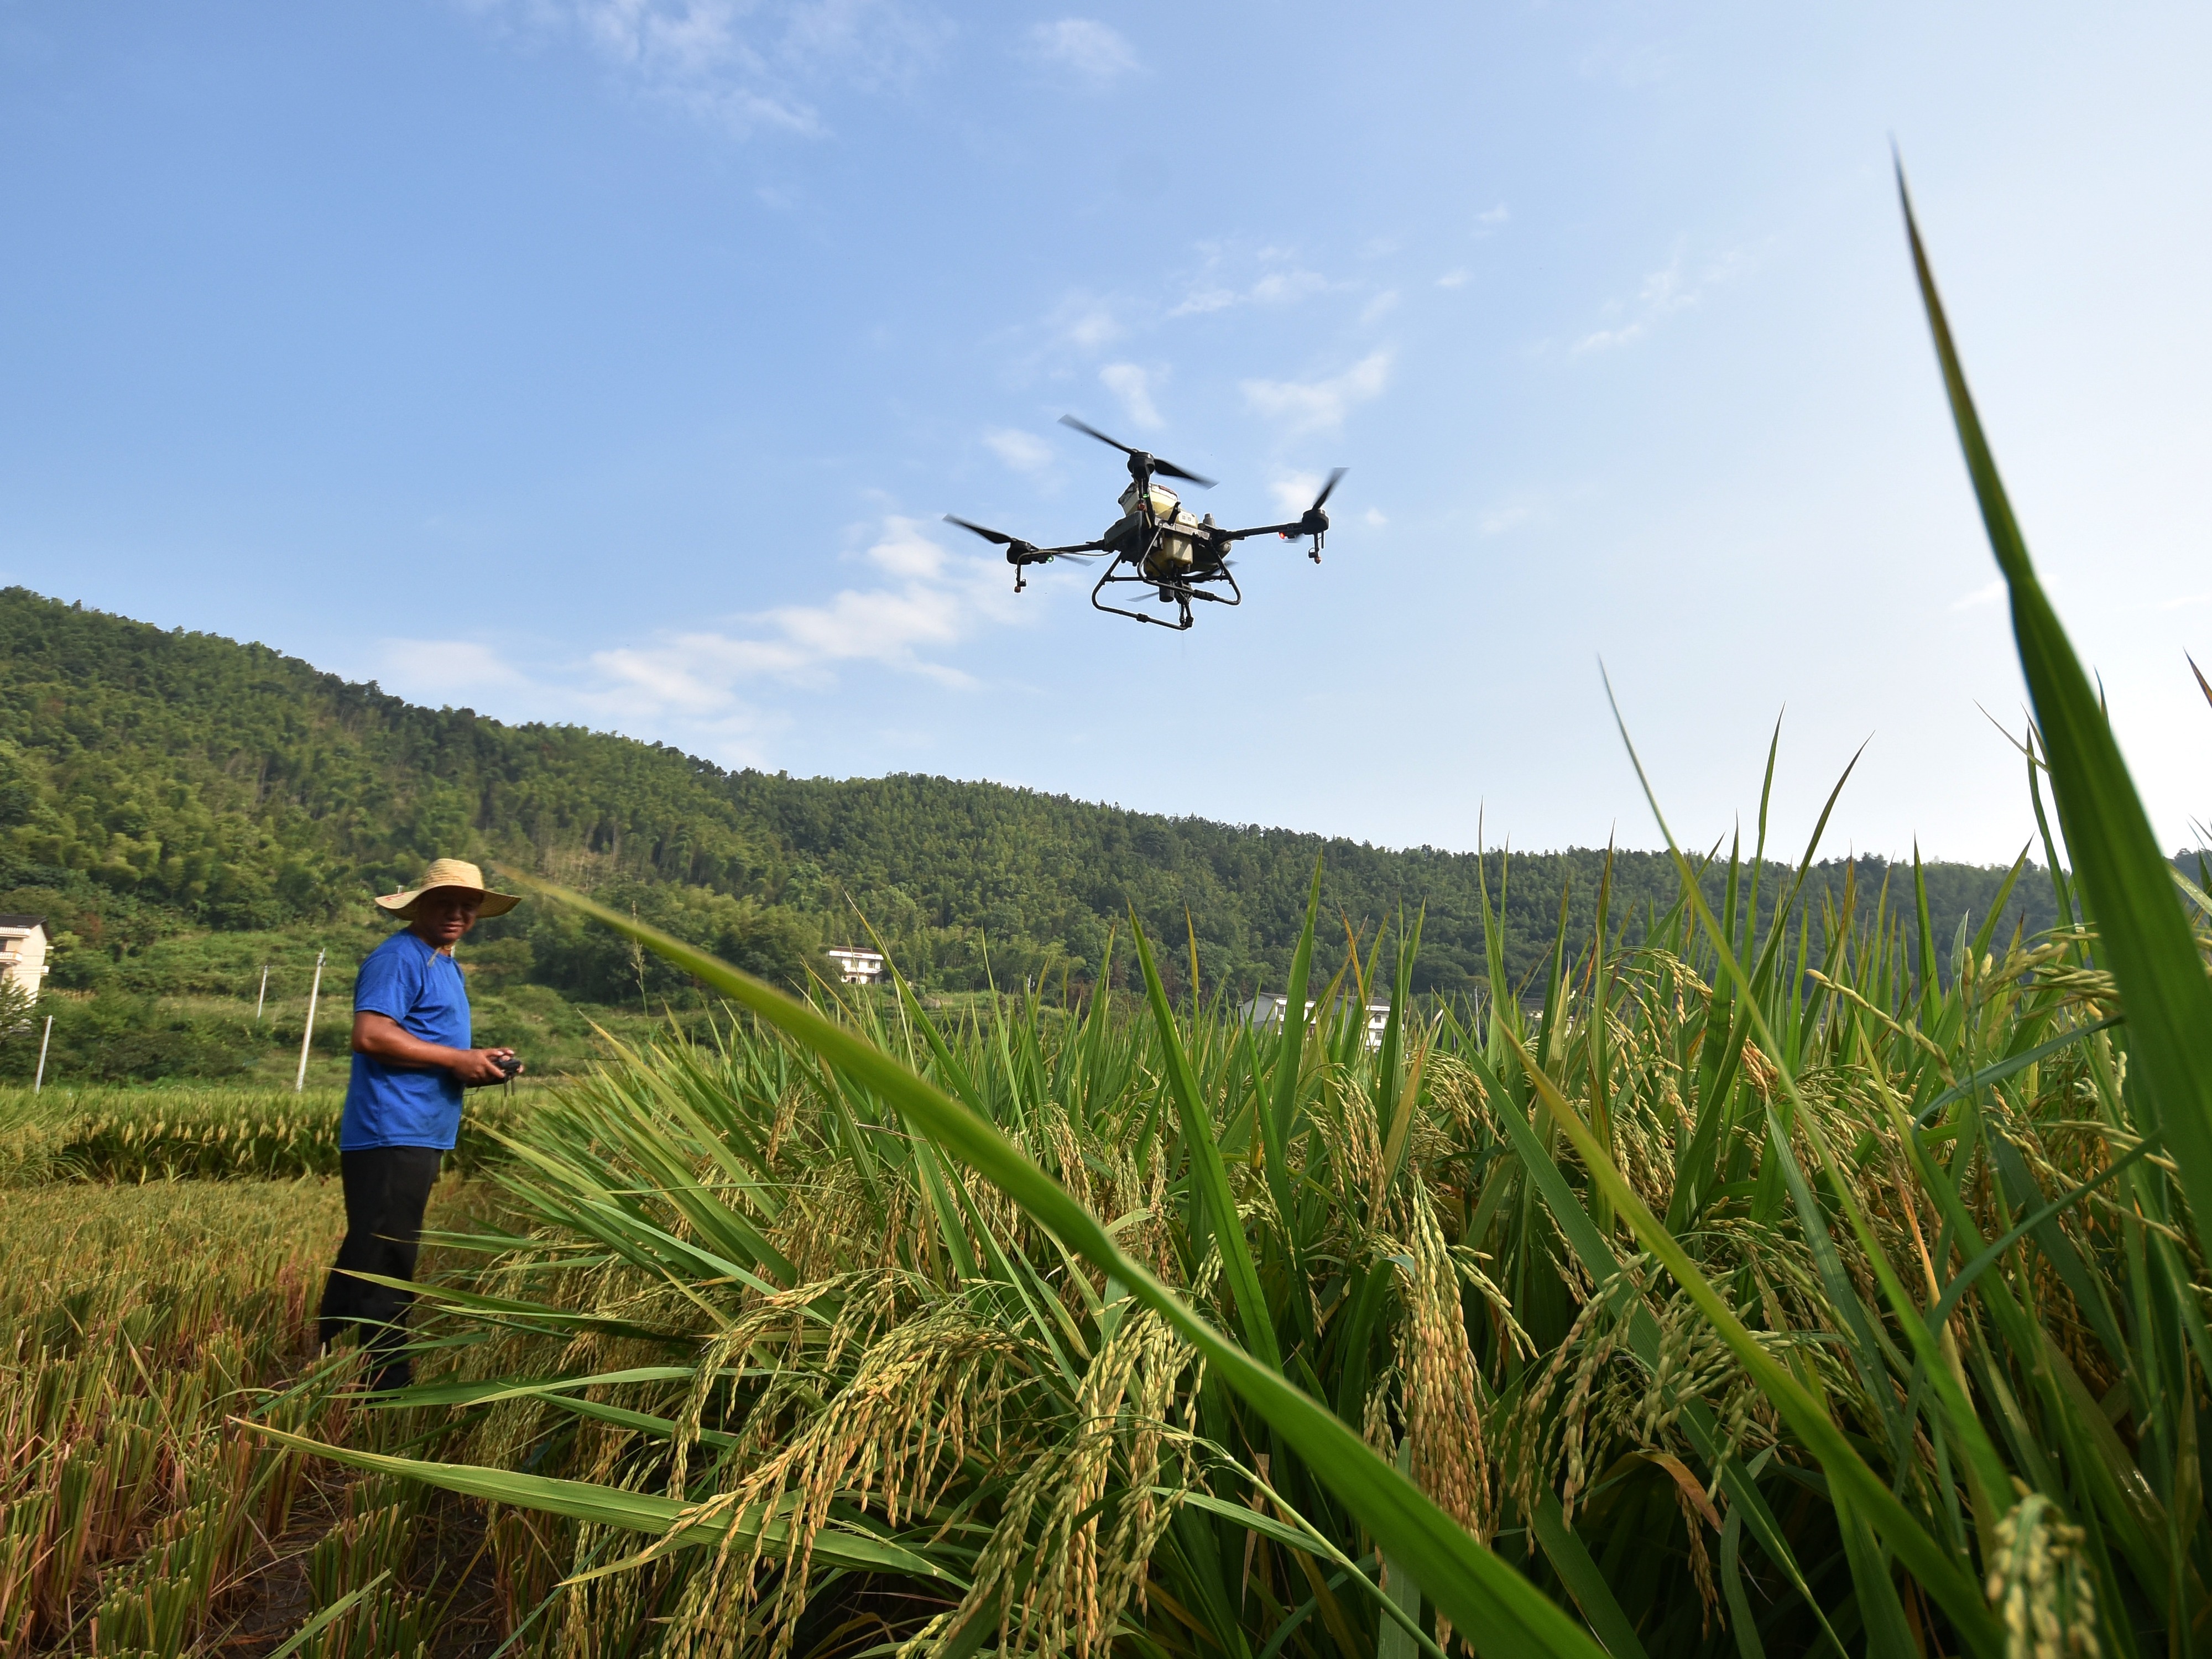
(449, 872)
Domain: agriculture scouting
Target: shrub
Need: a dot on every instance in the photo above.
(116, 1037)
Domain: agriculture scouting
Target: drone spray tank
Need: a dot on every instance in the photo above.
(1174, 549)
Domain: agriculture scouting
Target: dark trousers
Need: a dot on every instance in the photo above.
(387, 1189)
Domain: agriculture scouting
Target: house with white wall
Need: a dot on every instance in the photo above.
(859, 966)
(24, 953)
(1266, 1011)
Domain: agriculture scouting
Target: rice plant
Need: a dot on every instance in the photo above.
(1822, 1285)
(137, 1324)
(116, 1135)
(133, 1323)
(854, 1389)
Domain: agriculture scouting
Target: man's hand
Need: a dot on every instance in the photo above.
(381, 1037)
(481, 1066)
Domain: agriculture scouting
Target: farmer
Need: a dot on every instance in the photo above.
(411, 1059)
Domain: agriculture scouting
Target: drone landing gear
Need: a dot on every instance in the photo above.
(1177, 593)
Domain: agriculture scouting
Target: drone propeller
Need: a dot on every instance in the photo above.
(1018, 552)
(1030, 550)
(1314, 520)
(1139, 458)
(996, 537)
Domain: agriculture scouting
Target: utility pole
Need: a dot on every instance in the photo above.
(39, 1082)
(261, 1000)
(307, 1036)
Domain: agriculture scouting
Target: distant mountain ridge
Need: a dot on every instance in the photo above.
(154, 779)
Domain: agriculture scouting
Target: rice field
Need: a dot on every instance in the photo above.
(132, 1134)
(796, 1375)
(139, 1323)
(1828, 1287)
(1817, 1286)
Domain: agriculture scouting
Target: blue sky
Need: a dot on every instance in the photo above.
(613, 361)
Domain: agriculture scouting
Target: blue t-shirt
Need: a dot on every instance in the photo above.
(419, 988)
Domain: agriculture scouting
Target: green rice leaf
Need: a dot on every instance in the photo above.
(2127, 887)
(1500, 1611)
(1570, 1558)
(1938, 1571)
(1205, 1164)
(610, 1506)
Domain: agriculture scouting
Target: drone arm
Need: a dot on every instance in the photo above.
(1020, 553)
(1313, 522)
(1292, 528)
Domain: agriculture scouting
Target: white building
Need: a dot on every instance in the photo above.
(1266, 1011)
(24, 953)
(859, 966)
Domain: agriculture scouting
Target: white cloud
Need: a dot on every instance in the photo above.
(1315, 405)
(1024, 451)
(1294, 492)
(2184, 601)
(445, 669)
(1380, 307)
(1076, 331)
(651, 693)
(1277, 288)
(924, 601)
(690, 674)
(906, 553)
(1199, 301)
(1133, 386)
(1988, 593)
(1093, 329)
(1453, 278)
(932, 600)
(1085, 48)
(743, 65)
(1490, 219)
(1083, 321)
(1664, 292)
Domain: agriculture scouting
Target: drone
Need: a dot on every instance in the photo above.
(1157, 543)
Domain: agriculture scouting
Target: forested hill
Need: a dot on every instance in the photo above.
(152, 781)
